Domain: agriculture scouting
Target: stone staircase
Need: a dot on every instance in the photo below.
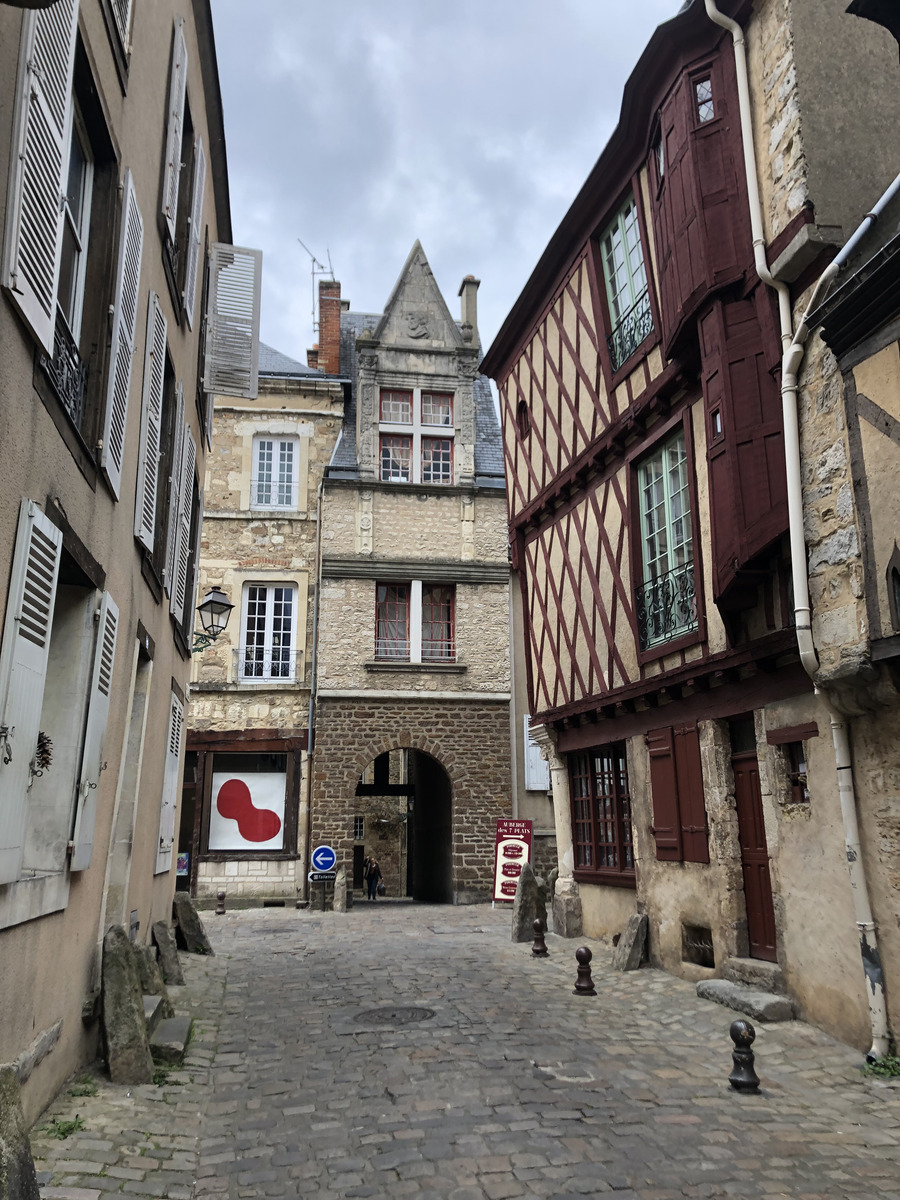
(752, 987)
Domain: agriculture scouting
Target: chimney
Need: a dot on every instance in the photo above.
(468, 289)
(312, 356)
(329, 358)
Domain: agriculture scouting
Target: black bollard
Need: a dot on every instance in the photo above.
(539, 949)
(743, 1077)
(584, 984)
(220, 904)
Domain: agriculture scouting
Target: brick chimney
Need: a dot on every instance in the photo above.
(312, 356)
(329, 359)
(468, 290)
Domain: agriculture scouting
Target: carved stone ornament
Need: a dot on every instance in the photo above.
(417, 325)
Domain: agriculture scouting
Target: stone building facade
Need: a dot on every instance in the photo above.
(250, 691)
(115, 278)
(701, 718)
(413, 677)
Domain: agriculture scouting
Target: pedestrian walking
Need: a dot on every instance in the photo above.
(373, 876)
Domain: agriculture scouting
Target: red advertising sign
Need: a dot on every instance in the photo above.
(511, 852)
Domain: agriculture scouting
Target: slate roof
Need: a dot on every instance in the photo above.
(488, 442)
(273, 362)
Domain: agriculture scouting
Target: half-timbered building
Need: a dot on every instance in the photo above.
(642, 401)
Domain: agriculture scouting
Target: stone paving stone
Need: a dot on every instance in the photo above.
(513, 1088)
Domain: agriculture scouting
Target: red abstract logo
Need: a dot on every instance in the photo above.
(254, 824)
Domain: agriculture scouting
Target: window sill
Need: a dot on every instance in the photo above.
(251, 685)
(672, 646)
(410, 668)
(621, 373)
(618, 879)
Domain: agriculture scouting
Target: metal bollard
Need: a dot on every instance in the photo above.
(584, 984)
(539, 949)
(220, 904)
(743, 1077)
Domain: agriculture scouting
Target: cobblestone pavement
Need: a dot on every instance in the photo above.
(295, 1086)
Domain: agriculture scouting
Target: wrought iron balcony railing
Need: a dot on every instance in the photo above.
(631, 329)
(273, 493)
(438, 650)
(258, 664)
(391, 650)
(666, 606)
(66, 372)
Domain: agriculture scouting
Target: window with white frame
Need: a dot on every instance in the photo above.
(276, 472)
(626, 284)
(415, 622)
(269, 628)
(416, 436)
(666, 600)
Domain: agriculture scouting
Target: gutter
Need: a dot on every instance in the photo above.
(794, 344)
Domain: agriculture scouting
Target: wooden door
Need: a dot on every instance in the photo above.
(754, 857)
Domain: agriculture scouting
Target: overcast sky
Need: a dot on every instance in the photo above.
(359, 127)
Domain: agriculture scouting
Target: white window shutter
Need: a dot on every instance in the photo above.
(231, 366)
(151, 422)
(23, 671)
(33, 228)
(196, 229)
(121, 10)
(183, 544)
(95, 727)
(537, 769)
(171, 771)
(124, 329)
(175, 490)
(174, 127)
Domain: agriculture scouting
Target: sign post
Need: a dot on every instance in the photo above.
(511, 851)
(323, 859)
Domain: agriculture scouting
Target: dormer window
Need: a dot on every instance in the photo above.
(416, 436)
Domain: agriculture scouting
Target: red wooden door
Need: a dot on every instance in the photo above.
(754, 857)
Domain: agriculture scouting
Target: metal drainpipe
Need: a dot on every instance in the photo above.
(794, 346)
(310, 723)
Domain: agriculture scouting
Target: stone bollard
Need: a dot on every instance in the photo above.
(584, 984)
(220, 904)
(539, 949)
(743, 1077)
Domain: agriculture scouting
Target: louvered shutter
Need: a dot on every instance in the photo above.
(95, 728)
(183, 543)
(121, 10)
(124, 327)
(23, 671)
(231, 367)
(171, 771)
(174, 127)
(196, 228)
(175, 490)
(664, 789)
(37, 165)
(151, 422)
(691, 801)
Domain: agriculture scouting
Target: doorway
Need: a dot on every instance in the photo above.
(752, 835)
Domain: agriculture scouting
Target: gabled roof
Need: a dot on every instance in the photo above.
(415, 289)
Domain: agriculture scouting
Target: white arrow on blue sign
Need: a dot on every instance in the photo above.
(323, 858)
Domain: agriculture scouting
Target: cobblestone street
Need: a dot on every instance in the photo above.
(294, 1086)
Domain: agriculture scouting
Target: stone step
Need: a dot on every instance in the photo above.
(169, 1040)
(154, 1011)
(761, 1006)
(754, 973)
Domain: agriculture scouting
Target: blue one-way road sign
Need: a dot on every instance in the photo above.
(323, 858)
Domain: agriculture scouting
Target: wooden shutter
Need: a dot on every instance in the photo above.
(40, 131)
(174, 127)
(174, 489)
(664, 789)
(151, 423)
(171, 771)
(231, 366)
(691, 800)
(124, 328)
(23, 671)
(196, 228)
(95, 729)
(183, 540)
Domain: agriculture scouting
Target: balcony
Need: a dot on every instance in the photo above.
(66, 372)
(632, 328)
(666, 607)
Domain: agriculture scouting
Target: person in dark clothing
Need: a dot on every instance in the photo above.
(373, 877)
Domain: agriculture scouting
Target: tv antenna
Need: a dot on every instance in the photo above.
(315, 269)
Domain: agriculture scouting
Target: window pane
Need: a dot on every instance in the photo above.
(255, 632)
(68, 271)
(601, 809)
(282, 630)
(286, 464)
(396, 456)
(269, 627)
(437, 623)
(265, 455)
(666, 600)
(705, 107)
(396, 407)
(437, 408)
(76, 178)
(392, 621)
(437, 460)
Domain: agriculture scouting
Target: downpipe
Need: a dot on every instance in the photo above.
(793, 347)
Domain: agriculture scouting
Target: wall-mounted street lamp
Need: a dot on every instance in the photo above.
(214, 610)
